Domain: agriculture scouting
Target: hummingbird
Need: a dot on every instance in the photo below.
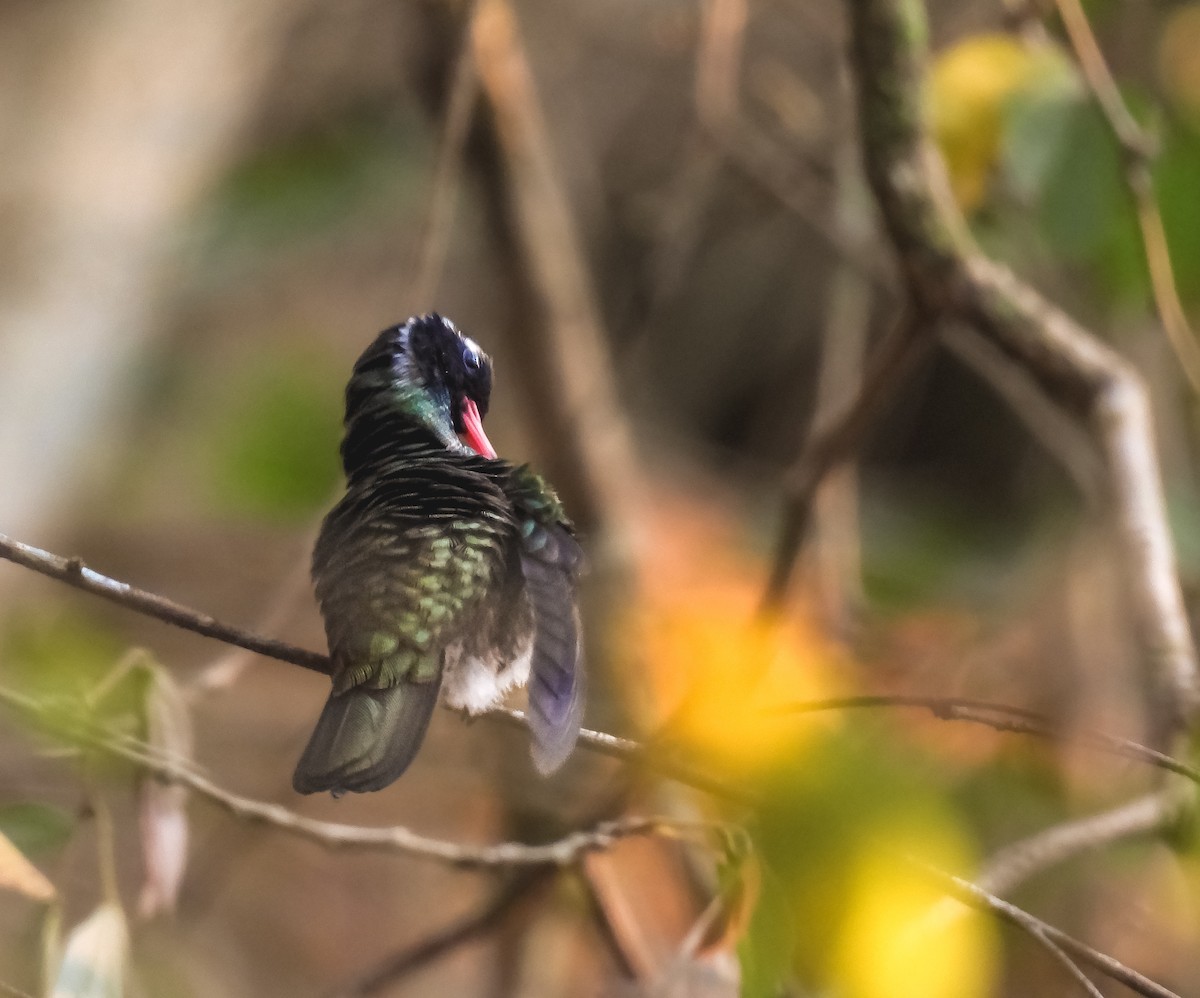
(443, 567)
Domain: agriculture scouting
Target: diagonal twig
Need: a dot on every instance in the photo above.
(830, 446)
(397, 838)
(75, 573)
(1138, 149)
(1012, 865)
(443, 941)
(975, 897)
(999, 717)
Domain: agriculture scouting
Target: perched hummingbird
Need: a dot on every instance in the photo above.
(441, 567)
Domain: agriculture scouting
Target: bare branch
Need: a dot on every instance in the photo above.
(563, 852)
(1069, 965)
(976, 897)
(445, 940)
(1016, 863)
(75, 573)
(999, 717)
(830, 446)
(435, 237)
(561, 346)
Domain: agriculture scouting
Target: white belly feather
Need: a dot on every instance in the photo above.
(478, 684)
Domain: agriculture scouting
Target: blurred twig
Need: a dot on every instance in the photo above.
(999, 717)
(836, 541)
(464, 94)
(58, 718)
(830, 446)
(1015, 863)
(1059, 434)
(447, 939)
(948, 276)
(560, 342)
(1138, 149)
(969, 894)
(73, 572)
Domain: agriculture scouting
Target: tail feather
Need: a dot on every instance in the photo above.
(364, 739)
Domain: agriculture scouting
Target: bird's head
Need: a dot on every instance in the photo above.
(427, 372)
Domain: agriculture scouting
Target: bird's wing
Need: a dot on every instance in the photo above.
(399, 566)
(551, 561)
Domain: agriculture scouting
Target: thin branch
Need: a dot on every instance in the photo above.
(445, 940)
(1015, 863)
(460, 108)
(1070, 966)
(1013, 720)
(975, 897)
(830, 446)
(335, 835)
(948, 276)
(1139, 149)
(73, 572)
(640, 752)
(558, 336)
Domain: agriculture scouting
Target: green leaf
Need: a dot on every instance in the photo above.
(766, 952)
(36, 828)
(275, 443)
(58, 655)
(1177, 181)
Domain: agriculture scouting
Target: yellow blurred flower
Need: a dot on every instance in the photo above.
(902, 937)
(724, 673)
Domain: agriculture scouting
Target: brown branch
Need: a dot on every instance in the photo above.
(460, 108)
(445, 940)
(975, 897)
(948, 276)
(1138, 150)
(832, 445)
(555, 329)
(1013, 720)
(73, 572)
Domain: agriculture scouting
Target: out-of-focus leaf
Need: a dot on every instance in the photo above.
(314, 182)
(1177, 183)
(58, 655)
(766, 950)
(20, 875)
(93, 963)
(1084, 209)
(971, 87)
(1034, 136)
(162, 808)
(36, 828)
(274, 445)
(835, 829)
(730, 673)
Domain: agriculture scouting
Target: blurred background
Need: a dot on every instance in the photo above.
(651, 215)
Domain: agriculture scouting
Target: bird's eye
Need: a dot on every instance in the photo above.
(471, 359)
